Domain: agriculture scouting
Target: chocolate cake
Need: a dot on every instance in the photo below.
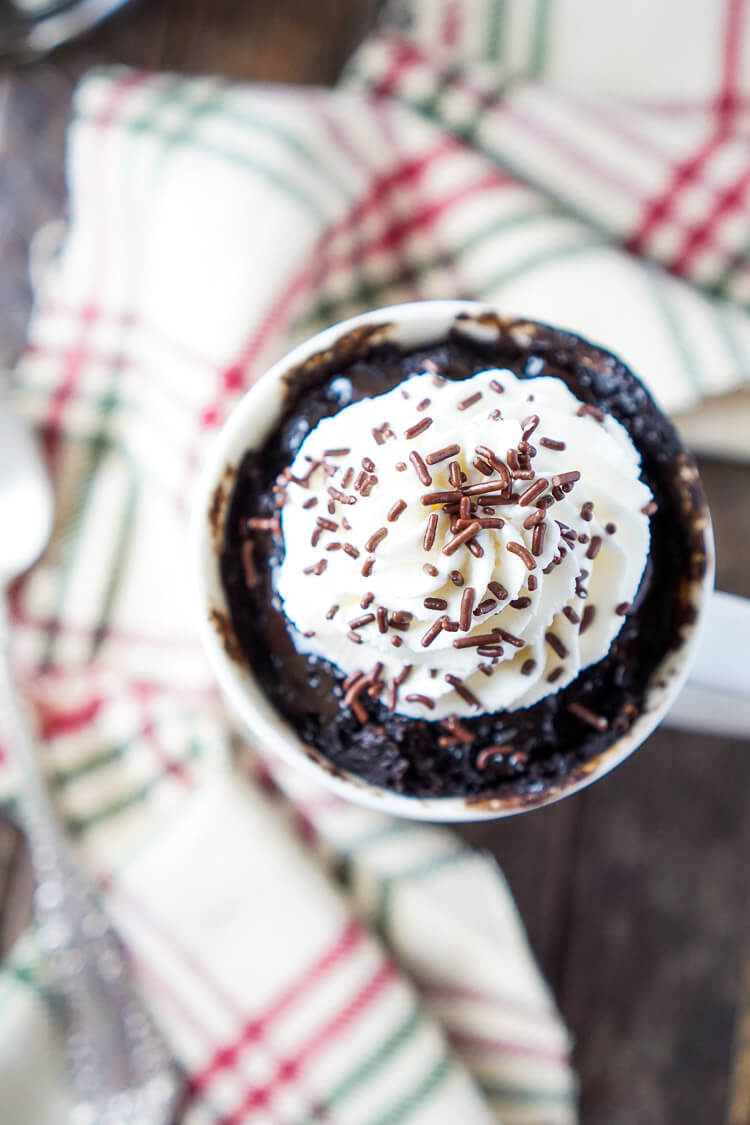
(357, 719)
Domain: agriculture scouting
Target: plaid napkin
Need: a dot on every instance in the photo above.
(309, 960)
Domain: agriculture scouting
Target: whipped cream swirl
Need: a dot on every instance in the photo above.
(463, 547)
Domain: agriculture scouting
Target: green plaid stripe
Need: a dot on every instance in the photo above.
(391, 883)
(370, 293)
(495, 33)
(171, 137)
(661, 298)
(370, 1067)
(540, 36)
(425, 1088)
(509, 1094)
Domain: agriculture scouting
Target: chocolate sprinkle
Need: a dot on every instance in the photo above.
(420, 468)
(532, 492)
(456, 578)
(589, 612)
(442, 454)
(318, 568)
(517, 642)
(528, 667)
(551, 443)
(499, 591)
(485, 607)
(367, 567)
(520, 603)
(554, 676)
(598, 722)
(571, 615)
(498, 388)
(478, 639)
(594, 546)
(537, 539)
(311, 502)
(432, 632)
(461, 689)
(535, 518)
(423, 699)
(467, 402)
(336, 452)
(522, 553)
(430, 531)
(360, 622)
(435, 603)
(592, 411)
(650, 508)
(428, 568)
(531, 583)
(418, 428)
(332, 613)
(376, 538)
(351, 550)
(335, 494)
(566, 478)
(469, 532)
(467, 604)
(556, 644)
(452, 497)
(623, 609)
(483, 489)
(248, 564)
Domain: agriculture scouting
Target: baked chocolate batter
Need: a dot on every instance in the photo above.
(537, 745)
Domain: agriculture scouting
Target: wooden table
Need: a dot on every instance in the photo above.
(635, 891)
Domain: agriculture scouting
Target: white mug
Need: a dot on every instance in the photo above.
(711, 647)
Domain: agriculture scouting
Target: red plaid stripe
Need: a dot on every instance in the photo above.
(78, 355)
(224, 1058)
(689, 171)
(290, 1068)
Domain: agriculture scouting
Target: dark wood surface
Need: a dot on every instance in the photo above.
(635, 892)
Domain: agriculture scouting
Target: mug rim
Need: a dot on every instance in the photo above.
(247, 425)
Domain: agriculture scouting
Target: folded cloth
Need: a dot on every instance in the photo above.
(308, 960)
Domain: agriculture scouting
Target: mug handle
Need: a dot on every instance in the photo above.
(716, 696)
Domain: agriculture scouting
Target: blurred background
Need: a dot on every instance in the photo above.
(635, 892)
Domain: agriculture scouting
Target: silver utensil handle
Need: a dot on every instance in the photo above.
(120, 1069)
